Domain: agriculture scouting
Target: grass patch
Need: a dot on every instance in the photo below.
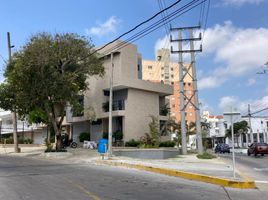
(206, 156)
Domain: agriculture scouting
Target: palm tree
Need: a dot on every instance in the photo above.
(240, 128)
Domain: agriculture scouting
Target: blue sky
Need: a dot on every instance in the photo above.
(235, 44)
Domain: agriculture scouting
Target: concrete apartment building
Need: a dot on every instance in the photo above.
(166, 72)
(134, 100)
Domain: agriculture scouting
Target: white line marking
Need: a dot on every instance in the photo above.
(261, 169)
(261, 181)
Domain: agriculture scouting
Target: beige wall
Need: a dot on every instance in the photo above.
(140, 106)
(156, 71)
(141, 97)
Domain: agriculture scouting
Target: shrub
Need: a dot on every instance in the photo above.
(84, 136)
(167, 144)
(105, 135)
(132, 143)
(206, 156)
(118, 135)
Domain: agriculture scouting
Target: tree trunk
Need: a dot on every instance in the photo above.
(57, 130)
(15, 133)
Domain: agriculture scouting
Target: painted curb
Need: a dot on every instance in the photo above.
(245, 184)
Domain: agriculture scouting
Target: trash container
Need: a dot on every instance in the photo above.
(103, 146)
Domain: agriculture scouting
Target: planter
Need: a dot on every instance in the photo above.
(148, 153)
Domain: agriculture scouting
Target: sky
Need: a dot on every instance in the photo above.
(235, 39)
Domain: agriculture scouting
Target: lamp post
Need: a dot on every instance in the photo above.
(232, 114)
(110, 131)
(0, 130)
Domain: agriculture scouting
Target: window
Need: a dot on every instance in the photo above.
(172, 76)
(162, 68)
(173, 106)
(172, 83)
(162, 75)
(171, 68)
(189, 84)
(190, 114)
(106, 93)
(150, 67)
(138, 67)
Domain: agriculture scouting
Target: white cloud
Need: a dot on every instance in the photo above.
(239, 51)
(204, 106)
(210, 82)
(104, 28)
(251, 81)
(241, 2)
(257, 104)
(228, 101)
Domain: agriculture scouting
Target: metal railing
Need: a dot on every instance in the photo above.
(117, 105)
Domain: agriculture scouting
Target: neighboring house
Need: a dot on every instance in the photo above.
(217, 128)
(24, 129)
(134, 100)
(259, 126)
(164, 71)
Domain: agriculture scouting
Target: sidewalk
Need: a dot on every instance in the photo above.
(214, 171)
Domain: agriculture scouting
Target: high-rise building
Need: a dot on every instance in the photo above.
(167, 72)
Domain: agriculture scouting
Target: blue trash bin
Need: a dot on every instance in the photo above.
(103, 146)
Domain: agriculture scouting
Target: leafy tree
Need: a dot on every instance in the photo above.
(240, 128)
(46, 75)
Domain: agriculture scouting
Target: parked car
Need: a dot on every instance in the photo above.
(258, 148)
(222, 148)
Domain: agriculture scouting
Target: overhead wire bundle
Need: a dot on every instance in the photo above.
(154, 26)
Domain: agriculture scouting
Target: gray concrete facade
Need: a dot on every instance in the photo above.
(134, 100)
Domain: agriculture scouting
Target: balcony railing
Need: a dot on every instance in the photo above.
(117, 105)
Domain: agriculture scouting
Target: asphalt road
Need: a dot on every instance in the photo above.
(32, 179)
(251, 166)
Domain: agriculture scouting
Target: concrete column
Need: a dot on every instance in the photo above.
(258, 136)
(247, 139)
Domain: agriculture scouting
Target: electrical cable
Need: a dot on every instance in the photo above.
(144, 33)
(137, 26)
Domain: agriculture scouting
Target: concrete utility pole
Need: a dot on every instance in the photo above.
(191, 72)
(110, 131)
(14, 115)
(249, 123)
(195, 98)
(182, 108)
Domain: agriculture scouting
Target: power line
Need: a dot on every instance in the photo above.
(157, 24)
(140, 24)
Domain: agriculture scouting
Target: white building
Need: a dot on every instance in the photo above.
(25, 130)
(217, 128)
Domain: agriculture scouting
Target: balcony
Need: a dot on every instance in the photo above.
(117, 105)
(164, 110)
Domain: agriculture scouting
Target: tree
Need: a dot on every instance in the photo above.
(240, 128)
(47, 74)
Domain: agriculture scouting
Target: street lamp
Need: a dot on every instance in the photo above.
(110, 131)
(232, 114)
(0, 130)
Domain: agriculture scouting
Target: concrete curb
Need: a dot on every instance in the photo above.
(245, 184)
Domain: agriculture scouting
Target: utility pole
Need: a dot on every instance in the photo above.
(182, 108)
(191, 72)
(110, 131)
(250, 128)
(14, 115)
